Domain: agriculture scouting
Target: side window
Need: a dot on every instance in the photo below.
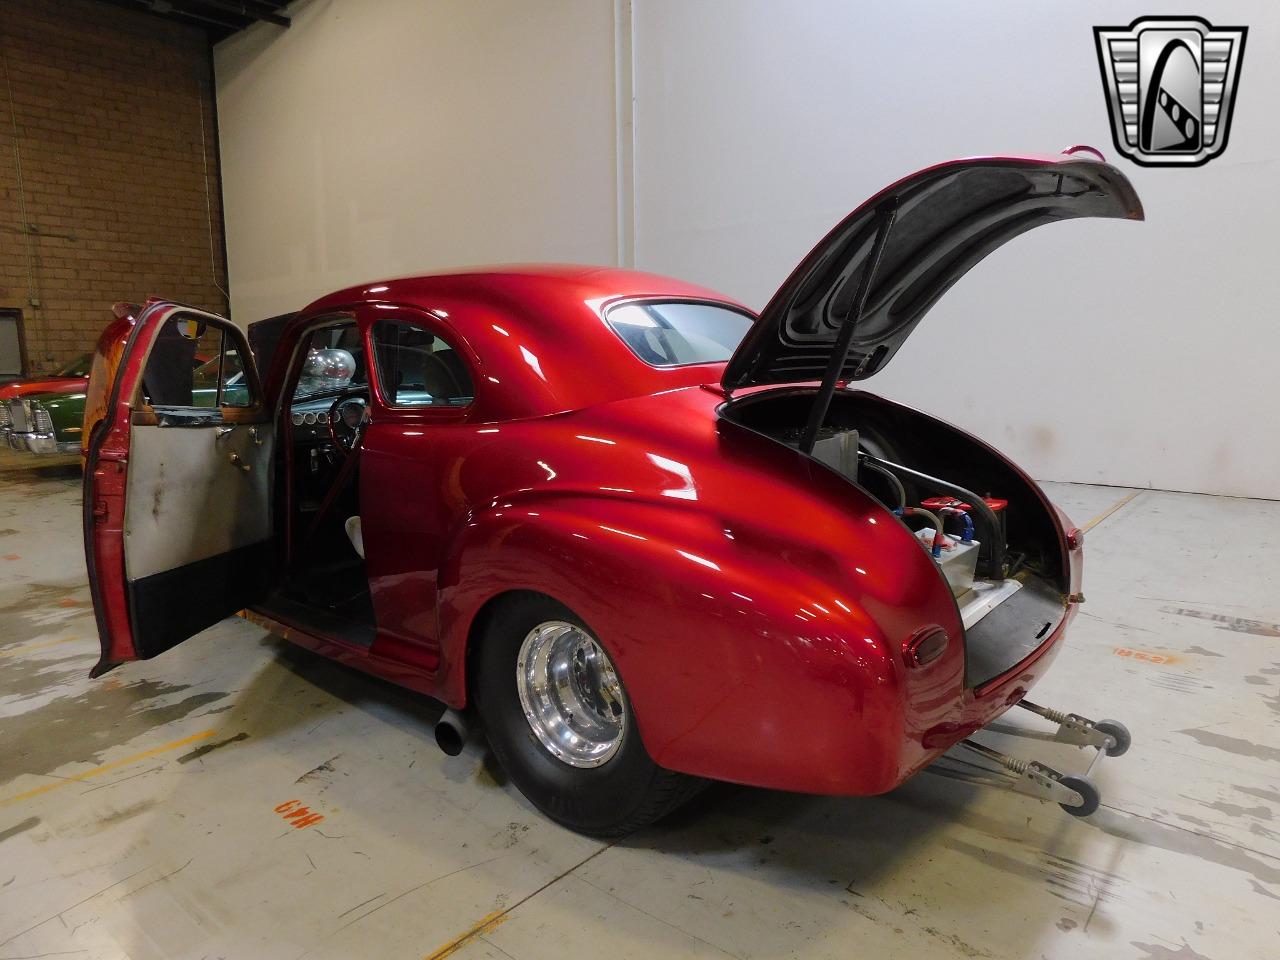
(196, 364)
(416, 368)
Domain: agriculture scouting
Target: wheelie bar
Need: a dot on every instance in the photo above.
(1077, 795)
(1108, 736)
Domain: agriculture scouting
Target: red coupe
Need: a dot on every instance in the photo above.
(646, 537)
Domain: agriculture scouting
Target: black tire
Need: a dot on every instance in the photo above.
(1118, 732)
(1083, 786)
(623, 794)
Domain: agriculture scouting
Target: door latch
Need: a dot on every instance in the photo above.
(222, 431)
(99, 511)
(237, 461)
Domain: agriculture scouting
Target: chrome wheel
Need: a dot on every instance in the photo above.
(571, 694)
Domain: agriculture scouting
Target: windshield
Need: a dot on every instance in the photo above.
(676, 332)
(79, 367)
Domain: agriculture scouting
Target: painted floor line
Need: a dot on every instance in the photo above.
(104, 768)
(1110, 510)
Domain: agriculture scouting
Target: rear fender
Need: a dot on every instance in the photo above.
(741, 664)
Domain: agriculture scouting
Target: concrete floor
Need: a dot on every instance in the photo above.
(155, 812)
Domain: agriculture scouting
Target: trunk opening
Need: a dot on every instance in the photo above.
(1000, 552)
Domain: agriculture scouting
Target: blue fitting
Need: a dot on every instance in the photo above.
(966, 535)
(937, 546)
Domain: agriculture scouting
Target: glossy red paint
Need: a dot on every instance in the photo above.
(620, 492)
(624, 495)
(21, 388)
(756, 604)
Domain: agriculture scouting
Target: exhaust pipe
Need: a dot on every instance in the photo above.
(452, 732)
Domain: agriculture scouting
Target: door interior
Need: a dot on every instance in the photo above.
(178, 505)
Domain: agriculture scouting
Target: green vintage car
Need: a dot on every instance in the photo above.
(50, 424)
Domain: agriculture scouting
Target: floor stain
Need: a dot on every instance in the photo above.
(316, 771)
(1260, 628)
(1066, 879)
(1236, 745)
(1236, 810)
(81, 726)
(1259, 888)
(1258, 792)
(18, 828)
(1202, 652)
(200, 751)
(1158, 951)
(1131, 827)
(126, 813)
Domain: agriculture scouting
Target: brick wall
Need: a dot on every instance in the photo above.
(108, 106)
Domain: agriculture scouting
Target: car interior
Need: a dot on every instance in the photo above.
(195, 373)
(326, 585)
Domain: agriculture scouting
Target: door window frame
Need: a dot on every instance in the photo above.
(143, 414)
(386, 412)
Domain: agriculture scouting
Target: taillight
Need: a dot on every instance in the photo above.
(925, 646)
(1075, 539)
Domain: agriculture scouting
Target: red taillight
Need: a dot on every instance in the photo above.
(925, 646)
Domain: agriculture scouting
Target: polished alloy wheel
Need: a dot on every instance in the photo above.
(571, 694)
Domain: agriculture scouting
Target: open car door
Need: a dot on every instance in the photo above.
(177, 484)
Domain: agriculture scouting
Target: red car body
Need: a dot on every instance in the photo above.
(759, 607)
(49, 384)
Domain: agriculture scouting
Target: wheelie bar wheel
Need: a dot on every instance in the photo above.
(1119, 734)
(1109, 736)
(1090, 798)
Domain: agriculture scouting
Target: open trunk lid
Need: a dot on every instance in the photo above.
(943, 220)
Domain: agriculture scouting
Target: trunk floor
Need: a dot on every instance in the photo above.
(1012, 631)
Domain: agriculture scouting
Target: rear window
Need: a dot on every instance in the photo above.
(673, 333)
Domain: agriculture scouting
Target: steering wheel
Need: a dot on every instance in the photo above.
(348, 416)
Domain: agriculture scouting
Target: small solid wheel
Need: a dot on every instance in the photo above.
(1119, 734)
(559, 720)
(1083, 786)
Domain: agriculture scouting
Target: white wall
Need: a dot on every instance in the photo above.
(375, 138)
(1095, 351)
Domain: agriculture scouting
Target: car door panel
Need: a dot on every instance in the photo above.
(178, 507)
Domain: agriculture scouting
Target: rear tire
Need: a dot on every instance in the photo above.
(607, 797)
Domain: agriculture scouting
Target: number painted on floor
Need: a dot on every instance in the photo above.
(1145, 655)
(298, 814)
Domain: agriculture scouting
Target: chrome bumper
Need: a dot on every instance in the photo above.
(42, 444)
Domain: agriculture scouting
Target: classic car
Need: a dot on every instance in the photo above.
(72, 377)
(644, 536)
(50, 422)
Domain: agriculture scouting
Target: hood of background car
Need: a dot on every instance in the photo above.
(946, 218)
(43, 385)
